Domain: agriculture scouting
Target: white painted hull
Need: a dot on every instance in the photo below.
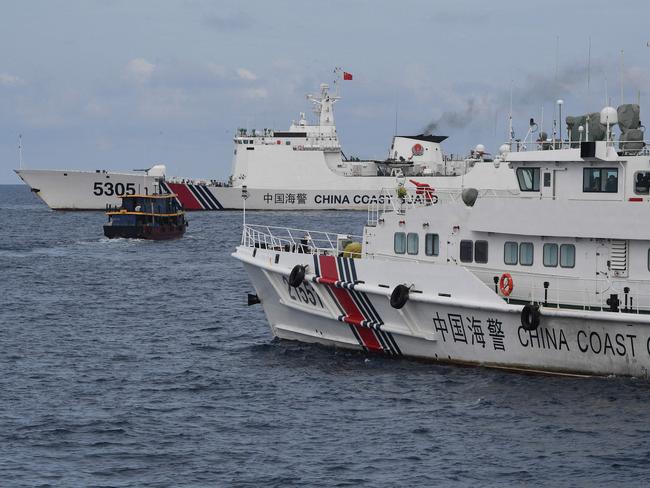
(89, 190)
(344, 192)
(455, 318)
(84, 190)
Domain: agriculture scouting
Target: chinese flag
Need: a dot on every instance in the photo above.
(347, 76)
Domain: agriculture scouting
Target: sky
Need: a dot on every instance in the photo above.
(113, 84)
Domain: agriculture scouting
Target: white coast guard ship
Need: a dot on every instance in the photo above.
(302, 168)
(553, 279)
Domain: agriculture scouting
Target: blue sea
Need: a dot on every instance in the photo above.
(138, 364)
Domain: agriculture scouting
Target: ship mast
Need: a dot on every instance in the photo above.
(324, 103)
(20, 151)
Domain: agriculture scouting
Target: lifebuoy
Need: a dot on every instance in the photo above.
(506, 284)
(530, 317)
(297, 275)
(399, 297)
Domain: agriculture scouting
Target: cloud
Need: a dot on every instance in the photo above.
(227, 21)
(94, 107)
(140, 70)
(10, 80)
(217, 70)
(165, 103)
(255, 93)
(245, 74)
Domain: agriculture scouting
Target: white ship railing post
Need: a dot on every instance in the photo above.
(244, 195)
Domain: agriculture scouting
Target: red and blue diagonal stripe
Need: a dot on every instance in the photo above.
(340, 277)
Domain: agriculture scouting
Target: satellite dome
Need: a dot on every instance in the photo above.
(469, 196)
(480, 148)
(157, 170)
(504, 149)
(608, 115)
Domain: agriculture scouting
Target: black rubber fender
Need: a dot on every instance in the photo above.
(297, 275)
(530, 317)
(399, 297)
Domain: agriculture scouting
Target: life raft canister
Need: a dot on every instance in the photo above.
(352, 250)
(417, 149)
(297, 275)
(530, 317)
(399, 297)
(506, 284)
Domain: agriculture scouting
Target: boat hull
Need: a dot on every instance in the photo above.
(91, 190)
(344, 193)
(450, 317)
(85, 190)
(134, 232)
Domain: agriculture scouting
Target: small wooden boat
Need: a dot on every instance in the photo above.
(157, 216)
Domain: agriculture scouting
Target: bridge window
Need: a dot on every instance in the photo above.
(600, 180)
(466, 251)
(481, 251)
(528, 179)
(399, 243)
(567, 255)
(642, 182)
(412, 243)
(526, 251)
(550, 255)
(511, 253)
(431, 244)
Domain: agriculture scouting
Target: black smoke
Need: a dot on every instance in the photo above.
(453, 119)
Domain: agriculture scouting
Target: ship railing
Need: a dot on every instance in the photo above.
(190, 181)
(296, 240)
(576, 293)
(624, 147)
(399, 200)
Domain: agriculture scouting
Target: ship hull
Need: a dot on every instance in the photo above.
(89, 190)
(345, 193)
(146, 232)
(85, 190)
(452, 318)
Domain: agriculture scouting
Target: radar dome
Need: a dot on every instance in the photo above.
(157, 170)
(480, 148)
(608, 115)
(504, 149)
(469, 196)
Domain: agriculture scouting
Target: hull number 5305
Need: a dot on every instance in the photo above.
(109, 188)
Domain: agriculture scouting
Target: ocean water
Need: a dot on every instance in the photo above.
(138, 364)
